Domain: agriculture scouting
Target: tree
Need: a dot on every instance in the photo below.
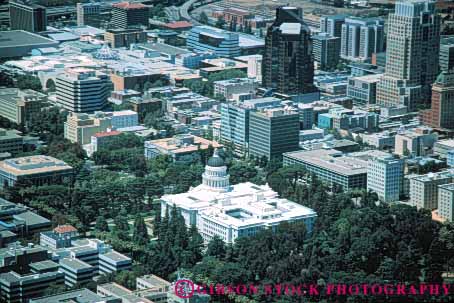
(203, 18)
(140, 233)
(101, 224)
(216, 248)
(220, 23)
(121, 229)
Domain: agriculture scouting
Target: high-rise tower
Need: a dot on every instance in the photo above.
(412, 54)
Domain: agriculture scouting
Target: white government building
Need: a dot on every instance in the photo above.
(232, 211)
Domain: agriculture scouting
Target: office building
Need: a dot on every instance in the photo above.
(80, 296)
(235, 126)
(19, 105)
(443, 147)
(19, 43)
(36, 170)
(229, 88)
(81, 90)
(332, 167)
(446, 201)
(76, 272)
(417, 142)
(80, 127)
(231, 212)
(450, 158)
(441, 113)
(124, 37)
(424, 189)
(207, 38)
(17, 288)
(118, 291)
(385, 177)
(127, 14)
(332, 25)
(89, 14)
(112, 261)
(363, 89)
(326, 50)
(152, 282)
(446, 59)
(28, 16)
(60, 237)
(361, 38)
(180, 148)
(10, 142)
(411, 57)
(383, 140)
(287, 61)
(273, 132)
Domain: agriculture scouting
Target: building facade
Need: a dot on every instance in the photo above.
(446, 201)
(326, 50)
(446, 59)
(361, 38)
(363, 89)
(82, 90)
(127, 14)
(413, 43)
(229, 88)
(218, 41)
(424, 189)
(287, 61)
(385, 177)
(117, 37)
(273, 132)
(28, 16)
(88, 14)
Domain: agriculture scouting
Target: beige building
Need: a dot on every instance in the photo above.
(424, 189)
(446, 201)
(19, 105)
(124, 37)
(417, 142)
(80, 127)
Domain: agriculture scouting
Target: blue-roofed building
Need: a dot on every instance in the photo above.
(325, 121)
(221, 42)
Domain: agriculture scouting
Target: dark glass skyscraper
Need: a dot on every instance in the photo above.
(25, 15)
(287, 61)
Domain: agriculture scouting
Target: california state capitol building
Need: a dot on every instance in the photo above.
(231, 211)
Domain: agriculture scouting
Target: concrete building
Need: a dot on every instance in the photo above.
(88, 14)
(76, 271)
(385, 177)
(80, 127)
(80, 296)
(111, 262)
(446, 201)
(254, 66)
(28, 16)
(411, 58)
(127, 14)
(450, 158)
(193, 60)
(231, 212)
(332, 167)
(441, 114)
(227, 88)
(443, 147)
(117, 37)
(59, 237)
(383, 140)
(332, 25)
(17, 288)
(361, 38)
(363, 89)
(19, 105)
(424, 189)
(82, 90)
(446, 59)
(10, 142)
(117, 291)
(273, 132)
(19, 43)
(326, 50)
(218, 41)
(181, 148)
(417, 142)
(287, 61)
(36, 170)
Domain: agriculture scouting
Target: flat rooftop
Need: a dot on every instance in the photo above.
(114, 256)
(33, 165)
(75, 264)
(77, 296)
(332, 160)
(18, 38)
(179, 146)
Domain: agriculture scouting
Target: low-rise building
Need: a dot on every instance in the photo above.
(81, 296)
(443, 147)
(113, 262)
(18, 288)
(121, 37)
(227, 88)
(36, 170)
(424, 189)
(181, 148)
(10, 142)
(331, 166)
(364, 88)
(79, 128)
(19, 105)
(383, 140)
(59, 237)
(117, 291)
(417, 142)
(76, 271)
